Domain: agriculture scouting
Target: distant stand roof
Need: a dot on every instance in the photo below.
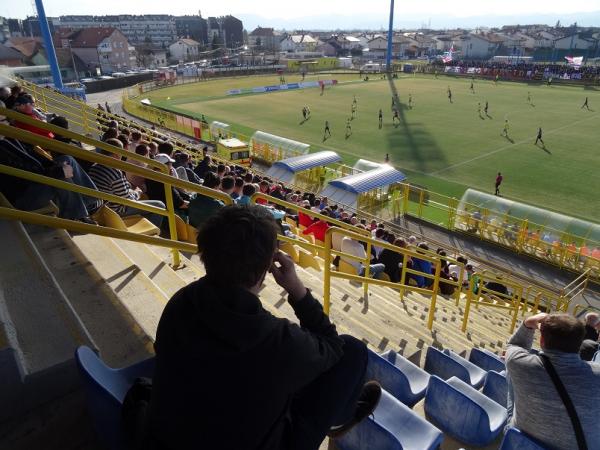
(367, 181)
(285, 169)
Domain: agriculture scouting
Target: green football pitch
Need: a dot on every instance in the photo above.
(443, 146)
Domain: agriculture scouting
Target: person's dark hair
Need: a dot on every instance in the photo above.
(239, 182)
(221, 168)
(227, 183)
(379, 232)
(110, 133)
(211, 180)
(136, 135)
(249, 190)
(248, 177)
(142, 149)
(165, 147)
(60, 121)
(562, 332)
(124, 140)
(462, 259)
(113, 124)
(391, 238)
(237, 245)
(111, 141)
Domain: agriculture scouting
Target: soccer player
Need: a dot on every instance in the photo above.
(585, 104)
(449, 94)
(479, 108)
(505, 129)
(327, 131)
(529, 98)
(307, 111)
(304, 112)
(354, 102)
(410, 102)
(348, 127)
(322, 88)
(485, 109)
(380, 118)
(393, 103)
(499, 179)
(353, 110)
(539, 137)
(472, 88)
(387, 157)
(497, 78)
(396, 117)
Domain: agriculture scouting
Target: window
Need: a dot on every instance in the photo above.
(240, 155)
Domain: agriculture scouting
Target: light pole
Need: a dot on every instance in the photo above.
(388, 62)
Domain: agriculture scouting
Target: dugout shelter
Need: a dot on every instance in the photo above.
(303, 168)
(270, 148)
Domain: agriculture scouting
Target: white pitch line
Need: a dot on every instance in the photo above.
(462, 163)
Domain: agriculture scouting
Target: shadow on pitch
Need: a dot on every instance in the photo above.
(412, 142)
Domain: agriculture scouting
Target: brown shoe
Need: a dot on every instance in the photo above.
(366, 404)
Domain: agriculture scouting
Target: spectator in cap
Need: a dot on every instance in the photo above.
(25, 105)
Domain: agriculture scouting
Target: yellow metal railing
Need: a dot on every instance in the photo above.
(366, 280)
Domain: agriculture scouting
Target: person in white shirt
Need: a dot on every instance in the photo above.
(355, 248)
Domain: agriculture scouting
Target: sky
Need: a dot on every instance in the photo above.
(333, 14)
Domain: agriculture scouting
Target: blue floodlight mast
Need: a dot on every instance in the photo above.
(51, 54)
(388, 61)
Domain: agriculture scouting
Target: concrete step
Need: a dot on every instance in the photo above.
(143, 299)
(116, 333)
(39, 328)
(153, 266)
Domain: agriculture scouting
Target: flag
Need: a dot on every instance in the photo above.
(574, 61)
(447, 57)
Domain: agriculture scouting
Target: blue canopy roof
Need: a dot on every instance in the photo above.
(285, 169)
(367, 181)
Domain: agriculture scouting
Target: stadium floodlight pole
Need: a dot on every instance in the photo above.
(388, 62)
(50, 52)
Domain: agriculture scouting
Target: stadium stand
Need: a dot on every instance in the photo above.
(133, 278)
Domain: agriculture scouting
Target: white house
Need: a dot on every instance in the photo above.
(545, 39)
(480, 46)
(184, 50)
(298, 43)
(574, 41)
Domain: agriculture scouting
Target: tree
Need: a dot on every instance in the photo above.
(557, 24)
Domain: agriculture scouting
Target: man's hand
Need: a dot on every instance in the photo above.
(67, 170)
(286, 277)
(534, 321)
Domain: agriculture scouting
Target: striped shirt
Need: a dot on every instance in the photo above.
(113, 181)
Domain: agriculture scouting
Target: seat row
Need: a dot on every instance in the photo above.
(393, 425)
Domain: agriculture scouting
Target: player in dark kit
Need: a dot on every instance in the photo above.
(499, 179)
(348, 127)
(539, 137)
(396, 117)
(327, 131)
(449, 94)
(485, 110)
(585, 104)
(380, 119)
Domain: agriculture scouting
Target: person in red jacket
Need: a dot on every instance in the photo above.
(24, 104)
(318, 229)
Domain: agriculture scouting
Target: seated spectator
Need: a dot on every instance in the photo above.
(264, 188)
(534, 405)
(454, 269)
(152, 149)
(498, 287)
(421, 265)
(29, 196)
(393, 261)
(113, 181)
(379, 236)
(275, 372)
(156, 189)
(590, 343)
(247, 192)
(202, 207)
(110, 133)
(183, 166)
(138, 181)
(227, 185)
(356, 248)
(317, 229)
(304, 219)
(203, 167)
(238, 188)
(24, 104)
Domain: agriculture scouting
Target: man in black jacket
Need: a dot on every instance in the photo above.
(230, 375)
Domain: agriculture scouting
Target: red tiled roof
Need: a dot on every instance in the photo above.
(90, 37)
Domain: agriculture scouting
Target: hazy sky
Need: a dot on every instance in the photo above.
(333, 13)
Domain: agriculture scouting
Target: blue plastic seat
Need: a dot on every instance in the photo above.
(398, 376)
(515, 439)
(463, 412)
(448, 364)
(105, 390)
(486, 360)
(496, 387)
(394, 426)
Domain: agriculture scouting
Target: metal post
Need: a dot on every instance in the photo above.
(388, 62)
(50, 53)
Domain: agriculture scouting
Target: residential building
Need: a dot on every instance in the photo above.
(575, 41)
(233, 31)
(157, 30)
(480, 45)
(31, 49)
(184, 50)
(4, 30)
(31, 26)
(192, 27)
(298, 43)
(105, 48)
(264, 39)
(10, 57)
